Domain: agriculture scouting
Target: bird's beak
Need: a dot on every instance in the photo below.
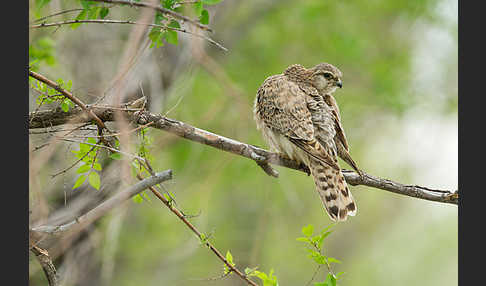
(340, 84)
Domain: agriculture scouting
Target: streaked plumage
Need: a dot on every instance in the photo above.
(299, 117)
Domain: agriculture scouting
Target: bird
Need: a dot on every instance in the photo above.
(299, 118)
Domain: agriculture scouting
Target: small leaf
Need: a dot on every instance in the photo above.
(330, 280)
(229, 258)
(91, 140)
(137, 199)
(81, 16)
(93, 12)
(97, 166)
(204, 18)
(86, 4)
(65, 106)
(308, 230)
(79, 181)
(41, 3)
(333, 260)
(210, 2)
(94, 180)
(115, 156)
(104, 12)
(320, 284)
(171, 37)
(83, 169)
(304, 239)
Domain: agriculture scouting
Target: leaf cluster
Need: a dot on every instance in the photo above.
(315, 249)
(88, 154)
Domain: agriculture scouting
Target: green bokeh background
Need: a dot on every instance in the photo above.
(399, 110)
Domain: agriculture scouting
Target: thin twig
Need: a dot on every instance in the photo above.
(74, 164)
(109, 21)
(107, 205)
(57, 14)
(67, 94)
(182, 217)
(160, 9)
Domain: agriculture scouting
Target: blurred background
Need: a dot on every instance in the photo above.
(398, 107)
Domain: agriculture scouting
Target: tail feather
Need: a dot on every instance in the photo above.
(333, 191)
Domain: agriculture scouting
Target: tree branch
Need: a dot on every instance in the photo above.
(46, 264)
(159, 9)
(109, 21)
(107, 205)
(202, 238)
(262, 157)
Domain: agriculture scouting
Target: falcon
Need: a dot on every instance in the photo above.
(299, 118)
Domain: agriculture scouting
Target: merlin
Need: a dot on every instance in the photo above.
(299, 118)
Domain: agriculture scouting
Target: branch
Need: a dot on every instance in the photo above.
(47, 265)
(160, 9)
(108, 21)
(67, 94)
(181, 216)
(262, 157)
(107, 205)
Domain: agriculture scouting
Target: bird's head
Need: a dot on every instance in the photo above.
(326, 78)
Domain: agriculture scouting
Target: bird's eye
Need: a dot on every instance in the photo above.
(327, 75)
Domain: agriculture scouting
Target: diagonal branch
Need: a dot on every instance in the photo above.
(262, 157)
(47, 265)
(182, 217)
(107, 205)
(67, 94)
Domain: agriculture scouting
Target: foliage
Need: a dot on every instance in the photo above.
(315, 249)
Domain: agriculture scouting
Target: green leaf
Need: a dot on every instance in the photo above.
(65, 106)
(94, 180)
(204, 18)
(320, 284)
(97, 166)
(304, 239)
(86, 4)
(308, 230)
(91, 140)
(41, 3)
(81, 16)
(115, 156)
(93, 12)
(210, 2)
(137, 199)
(79, 181)
(104, 12)
(83, 169)
(330, 280)
(229, 258)
(333, 260)
(171, 37)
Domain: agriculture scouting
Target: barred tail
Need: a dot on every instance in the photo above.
(333, 191)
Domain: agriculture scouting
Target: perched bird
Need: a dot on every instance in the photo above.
(300, 119)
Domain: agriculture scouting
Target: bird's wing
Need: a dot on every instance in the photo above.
(284, 109)
(342, 143)
(331, 102)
